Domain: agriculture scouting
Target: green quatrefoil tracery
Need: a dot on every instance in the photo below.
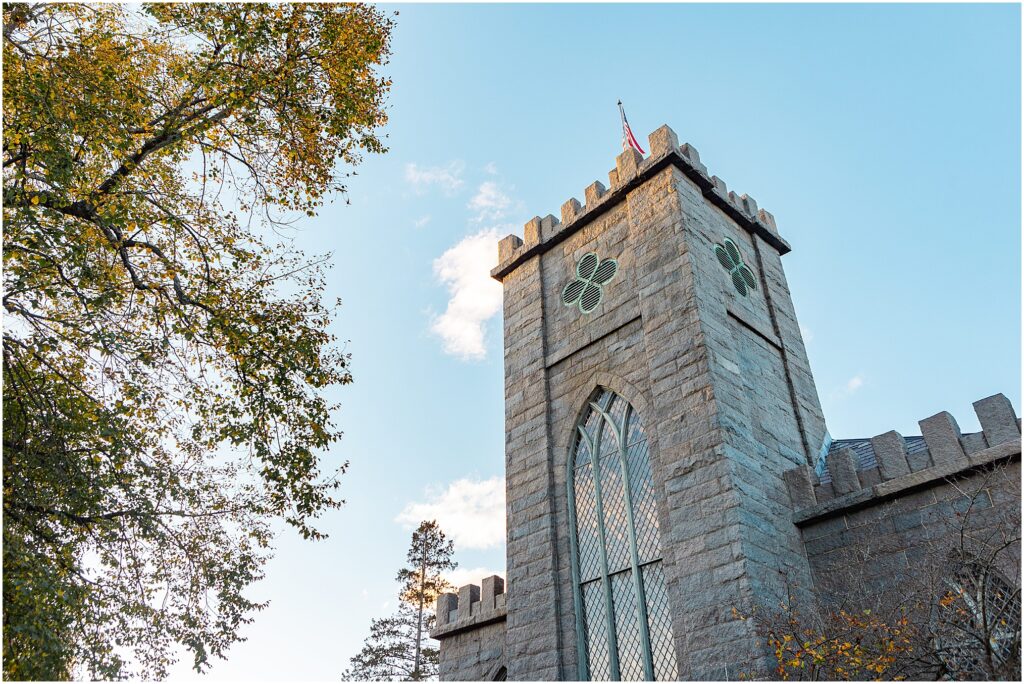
(731, 260)
(587, 290)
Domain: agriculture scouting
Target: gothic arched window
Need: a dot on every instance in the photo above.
(977, 624)
(623, 626)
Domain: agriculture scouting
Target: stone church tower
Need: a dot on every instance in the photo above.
(659, 410)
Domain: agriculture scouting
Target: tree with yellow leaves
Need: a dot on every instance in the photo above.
(164, 366)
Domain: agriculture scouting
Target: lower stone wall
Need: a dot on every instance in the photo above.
(471, 626)
(915, 533)
(929, 538)
(474, 655)
(909, 515)
(905, 537)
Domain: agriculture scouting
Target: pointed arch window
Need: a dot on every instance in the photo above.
(623, 625)
(977, 623)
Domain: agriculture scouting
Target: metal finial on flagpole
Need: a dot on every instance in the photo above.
(622, 121)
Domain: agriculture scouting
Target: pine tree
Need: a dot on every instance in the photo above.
(398, 648)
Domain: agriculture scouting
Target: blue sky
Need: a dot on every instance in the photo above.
(884, 139)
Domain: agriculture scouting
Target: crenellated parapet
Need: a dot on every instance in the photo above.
(632, 169)
(860, 472)
(473, 606)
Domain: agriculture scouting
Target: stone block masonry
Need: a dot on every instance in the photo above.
(665, 151)
(711, 358)
(471, 628)
(898, 516)
(720, 379)
(949, 453)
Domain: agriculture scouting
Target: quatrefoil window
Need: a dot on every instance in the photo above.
(731, 260)
(587, 290)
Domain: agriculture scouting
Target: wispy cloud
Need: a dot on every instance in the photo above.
(806, 333)
(470, 512)
(421, 221)
(489, 203)
(474, 296)
(447, 178)
(850, 387)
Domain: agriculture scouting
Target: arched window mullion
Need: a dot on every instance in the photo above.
(638, 579)
(593, 486)
(606, 584)
(620, 434)
(583, 664)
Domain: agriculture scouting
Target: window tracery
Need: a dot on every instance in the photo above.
(624, 628)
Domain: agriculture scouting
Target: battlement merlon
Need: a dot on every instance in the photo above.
(948, 453)
(470, 608)
(631, 170)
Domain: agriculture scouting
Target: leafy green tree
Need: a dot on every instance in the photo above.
(398, 646)
(164, 361)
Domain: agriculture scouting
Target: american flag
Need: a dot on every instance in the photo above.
(628, 139)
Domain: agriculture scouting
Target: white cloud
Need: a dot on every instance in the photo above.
(848, 388)
(421, 221)
(491, 168)
(806, 333)
(470, 512)
(447, 178)
(474, 296)
(489, 203)
(460, 577)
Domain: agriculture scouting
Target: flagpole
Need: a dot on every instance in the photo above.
(628, 139)
(622, 122)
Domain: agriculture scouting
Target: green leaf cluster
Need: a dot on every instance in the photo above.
(166, 351)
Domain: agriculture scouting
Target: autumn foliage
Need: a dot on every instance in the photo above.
(955, 614)
(849, 646)
(166, 351)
